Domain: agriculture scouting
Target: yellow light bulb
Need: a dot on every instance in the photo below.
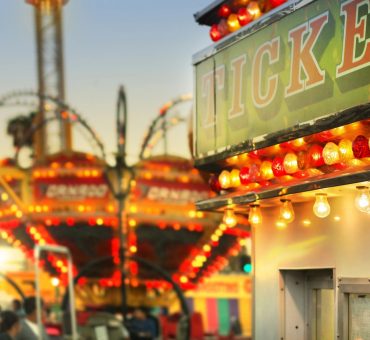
(234, 178)
(362, 200)
(233, 22)
(290, 163)
(230, 219)
(330, 153)
(321, 208)
(266, 170)
(287, 211)
(224, 179)
(345, 150)
(255, 216)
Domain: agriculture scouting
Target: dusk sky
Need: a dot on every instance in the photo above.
(147, 46)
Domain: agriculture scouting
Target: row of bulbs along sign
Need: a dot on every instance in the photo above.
(252, 172)
(240, 13)
(321, 209)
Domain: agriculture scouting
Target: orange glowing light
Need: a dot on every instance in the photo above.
(133, 249)
(132, 222)
(55, 165)
(69, 165)
(234, 178)
(184, 279)
(99, 221)
(207, 248)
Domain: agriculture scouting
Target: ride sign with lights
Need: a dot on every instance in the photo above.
(310, 64)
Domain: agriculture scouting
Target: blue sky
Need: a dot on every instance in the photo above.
(145, 45)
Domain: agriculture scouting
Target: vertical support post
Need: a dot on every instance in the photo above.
(40, 134)
(50, 69)
(123, 188)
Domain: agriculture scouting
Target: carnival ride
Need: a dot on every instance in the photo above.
(57, 195)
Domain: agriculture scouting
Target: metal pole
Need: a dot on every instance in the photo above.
(121, 167)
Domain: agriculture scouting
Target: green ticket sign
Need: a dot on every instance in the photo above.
(311, 63)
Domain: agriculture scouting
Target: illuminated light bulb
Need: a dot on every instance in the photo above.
(281, 224)
(345, 150)
(287, 211)
(290, 163)
(306, 222)
(277, 167)
(132, 223)
(99, 221)
(224, 11)
(232, 160)
(229, 218)
(218, 232)
(242, 242)
(337, 218)
(321, 208)
(133, 249)
(184, 279)
(234, 178)
(362, 200)
(19, 214)
(276, 3)
(330, 153)
(255, 216)
(192, 213)
(207, 248)
(200, 214)
(315, 157)
(214, 183)
(254, 10)
(225, 179)
(215, 238)
(339, 131)
(266, 170)
(214, 33)
(244, 176)
(297, 143)
(360, 147)
(239, 3)
(55, 281)
(233, 22)
(4, 196)
(244, 17)
(222, 226)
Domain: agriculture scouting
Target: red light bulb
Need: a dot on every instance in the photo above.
(360, 147)
(215, 33)
(315, 157)
(244, 176)
(276, 3)
(278, 167)
(224, 11)
(214, 183)
(244, 16)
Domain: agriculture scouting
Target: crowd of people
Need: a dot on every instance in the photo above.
(20, 322)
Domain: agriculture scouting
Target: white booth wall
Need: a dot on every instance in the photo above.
(340, 241)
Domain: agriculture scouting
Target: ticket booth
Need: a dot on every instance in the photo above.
(282, 126)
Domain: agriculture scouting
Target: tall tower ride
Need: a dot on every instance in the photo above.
(54, 136)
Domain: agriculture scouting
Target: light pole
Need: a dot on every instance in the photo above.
(124, 175)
